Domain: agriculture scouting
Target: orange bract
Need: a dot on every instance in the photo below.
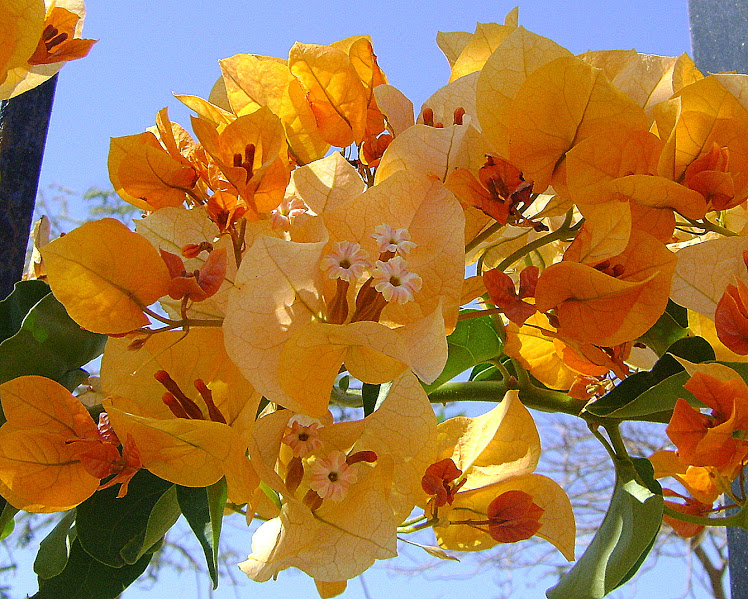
(709, 440)
(51, 453)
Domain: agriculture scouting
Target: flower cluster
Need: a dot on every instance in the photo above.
(305, 249)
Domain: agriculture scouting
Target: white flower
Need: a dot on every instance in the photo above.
(283, 216)
(393, 280)
(303, 439)
(392, 240)
(332, 477)
(347, 262)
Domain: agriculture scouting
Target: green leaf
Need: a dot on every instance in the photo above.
(164, 515)
(54, 550)
(473, 341)
(7, 522)
(49, 343)
(671, 326)
(271, 494)
(622, 542)
(87, 578)
(626, 401)
(13, 309)
(369, 396)
(203, 510)
(115, 530)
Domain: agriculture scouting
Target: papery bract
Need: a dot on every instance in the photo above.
(609, 309)
(497, 453)
(54, 43)
(334, 90)
(191, 452)
(103, 288)
(51, 454)
(339, 540)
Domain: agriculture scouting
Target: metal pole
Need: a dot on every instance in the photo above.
(719, 41)
(24, 121)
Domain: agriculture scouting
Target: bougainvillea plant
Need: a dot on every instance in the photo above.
(306, 246)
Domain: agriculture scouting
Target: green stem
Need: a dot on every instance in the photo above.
(707, 225)
(417, 527)
(494, 391)
(502, 369)
(415, 520)
(734, 520)
(561, 233)
(482, 236)
(617, 441)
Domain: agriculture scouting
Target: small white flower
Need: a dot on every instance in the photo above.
(393, 280)
(283, 216)
(347, 262)
(332, 477)
(303, 440)
(392, 240)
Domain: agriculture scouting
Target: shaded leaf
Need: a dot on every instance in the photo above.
(7, 522)
(621, 543)
(86, 578)
(49, 343)
(667, 330)
(641, 394)
(107, 525)
(164, 515)
(203, 509)
(369, 396)
(54, 550)
(13, 309)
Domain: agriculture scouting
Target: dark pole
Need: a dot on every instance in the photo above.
(719, 39)
(23, 131)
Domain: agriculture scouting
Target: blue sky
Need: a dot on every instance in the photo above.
(151, 48)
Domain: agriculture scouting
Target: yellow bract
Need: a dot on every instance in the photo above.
(362, 526)
(35, 50)
(104, 288)
(334, 90)
(21, 24)
(498, 452)
(145, 175)
(190, 452)
(254, 81)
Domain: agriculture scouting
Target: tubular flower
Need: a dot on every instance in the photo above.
(302, 439)
(199, 284)
(343, 501)
(332, 477)
(499, 190)
(335, 314)
(498, 499)
(393, 280)
(392, 240)
(346, 262)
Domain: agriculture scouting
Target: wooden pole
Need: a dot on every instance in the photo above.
(24, 121)
(719, 41)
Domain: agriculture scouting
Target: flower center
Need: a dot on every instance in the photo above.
(184, 407)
